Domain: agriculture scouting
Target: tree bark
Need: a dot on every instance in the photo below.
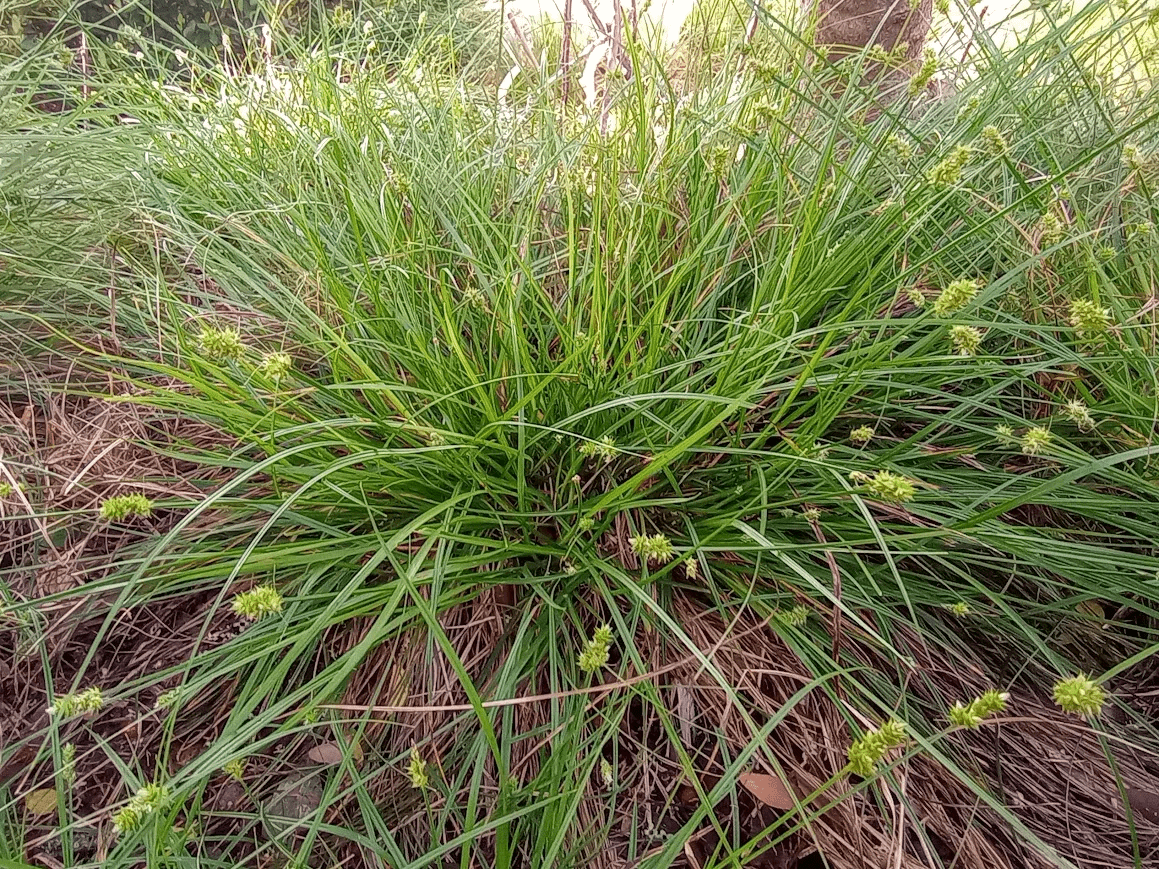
(848, 26)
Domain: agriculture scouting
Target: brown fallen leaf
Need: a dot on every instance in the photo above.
(769, 789)
(297, 797)
(327, 752)
(41, 802)
(16, 763)
(1144, 803)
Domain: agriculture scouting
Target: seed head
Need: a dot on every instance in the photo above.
(221, 345)
(925, 72)
(868, 750)
(596, 650)
(121, 507)
(416, 770)
(1089, 319)
(971, 715)
(1133, 157)
(474, 298)
(1051, 229)
(1080, 695)
(604, 448)
(899, 148)
(948, 172)
(656, 547)
(258, 602)
(861, 435)
(994, 143)
(957, 295)
(68, 764)
(794, 617)
(68, 705)
(235, 768)
(607, 774)
(888, 486)
(1079, 414)
(146, 801)
(1035, 440)
(275, 366)
(965, 340)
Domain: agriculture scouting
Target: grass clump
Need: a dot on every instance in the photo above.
(449, 384)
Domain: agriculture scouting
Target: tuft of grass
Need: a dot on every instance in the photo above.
(454, 385)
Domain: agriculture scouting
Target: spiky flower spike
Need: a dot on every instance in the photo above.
(1080, 695)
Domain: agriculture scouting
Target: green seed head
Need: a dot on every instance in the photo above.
(121, 507)
(948, 172)
(68, 705)
(596, 650)
(604, 448)
(221, 345)
(889, 486)
(258, 602)
(275, 366)
(68, 764)
(416, 770)
(1089, 319)
(868, 750)
(965, 340)
(925, 72)
(1080, 695)
(955, 297)
(899, 148)
(149, 799)
(607, 774)
(1035, 440)
(1051, 229)
(994, 143)
(235, 768)
(655, 548)
(972, 714)
(794, 617)
(1079, 414)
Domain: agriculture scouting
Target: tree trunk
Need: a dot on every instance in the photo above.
(848, 26)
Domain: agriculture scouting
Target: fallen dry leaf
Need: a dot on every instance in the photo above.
(327, 752)
(41, 802)
(769, 789)
(1144, 803)
(297, 797)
